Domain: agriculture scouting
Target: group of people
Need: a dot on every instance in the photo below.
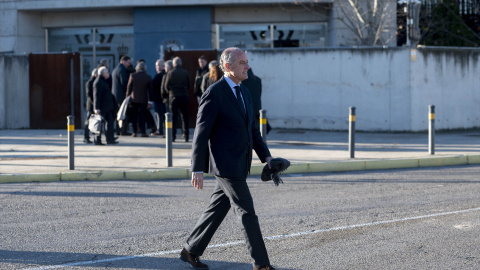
(106, 94)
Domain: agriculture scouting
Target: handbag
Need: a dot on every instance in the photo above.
(96, 124)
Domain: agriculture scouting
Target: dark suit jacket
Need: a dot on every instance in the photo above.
(89, 90)
(177, 82)
(139, 87)
(156, 94)
(119, 83)
(224, 136)
(254, 84)
(103, 99)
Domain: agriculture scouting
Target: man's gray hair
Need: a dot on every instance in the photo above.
(228, 55)
(94, 72)
(159, 62)
(168, 64)
(102, 70)
(177, 62)
(141, 67)
(212, 63)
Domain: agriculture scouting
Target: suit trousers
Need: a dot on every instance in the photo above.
(236, 194)
(86, 132)
(139, 111)
(179, 105)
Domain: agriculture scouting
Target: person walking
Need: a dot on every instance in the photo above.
(104, 104)
(222, 146)
(177, 83)
(119, 88)
(138, 88)
(89, 91)
(157, 98)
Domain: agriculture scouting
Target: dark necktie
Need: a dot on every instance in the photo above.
(239, 98)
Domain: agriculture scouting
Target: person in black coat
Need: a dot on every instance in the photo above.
(177, 83)
(139, 89)
(104, 104)
(254, 84)
(224, 138)
(119, 87)
(89, 105)
(157, 98)
(201, 71)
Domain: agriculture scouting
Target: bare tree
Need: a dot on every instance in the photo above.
(371, 21)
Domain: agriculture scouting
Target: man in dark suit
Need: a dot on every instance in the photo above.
(89, 90)
(177, 82)
(139, 88)
(254, 84)
(157, 98)
(104, 104)
(119, 86)
(222, 145)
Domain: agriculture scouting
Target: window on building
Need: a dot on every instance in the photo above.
(251, 36)
(94, 44)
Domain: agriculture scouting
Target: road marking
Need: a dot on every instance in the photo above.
(275, 237)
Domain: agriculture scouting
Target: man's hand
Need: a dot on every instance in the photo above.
(268, 159)
(197, 180)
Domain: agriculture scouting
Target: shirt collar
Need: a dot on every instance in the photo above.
(230, 82)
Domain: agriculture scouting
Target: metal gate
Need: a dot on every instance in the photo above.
(54, 90)
(190, 63)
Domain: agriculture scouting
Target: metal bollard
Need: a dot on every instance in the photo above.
(168, 138)
(263, 125)
(431, 129)
(351, 132)
(71, 143)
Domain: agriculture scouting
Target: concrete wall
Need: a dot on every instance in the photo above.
(313, 89)
(448, 79)
(14, 92)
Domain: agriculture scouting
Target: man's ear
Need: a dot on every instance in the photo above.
(227, 66)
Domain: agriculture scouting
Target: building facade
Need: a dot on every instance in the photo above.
(146, 28)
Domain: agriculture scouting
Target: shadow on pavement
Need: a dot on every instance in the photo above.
(42, 260)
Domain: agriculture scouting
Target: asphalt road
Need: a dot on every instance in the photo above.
(425, 218)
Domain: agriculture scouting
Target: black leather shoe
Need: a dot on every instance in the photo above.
(114, 142)
(99, 143)
(192, 259)
(266, 267)
(87, 141)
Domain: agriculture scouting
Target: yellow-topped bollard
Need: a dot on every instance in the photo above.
(71, 142)
(263, 125)
(431, 129)
(168, 138)
(351, 132)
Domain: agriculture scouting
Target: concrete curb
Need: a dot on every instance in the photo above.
(184, 173)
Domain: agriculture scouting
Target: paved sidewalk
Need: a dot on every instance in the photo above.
(42, 155)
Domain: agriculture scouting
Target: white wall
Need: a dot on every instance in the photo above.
(313, 89)
(449, 80)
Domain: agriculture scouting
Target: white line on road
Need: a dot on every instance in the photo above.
(266, 238)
